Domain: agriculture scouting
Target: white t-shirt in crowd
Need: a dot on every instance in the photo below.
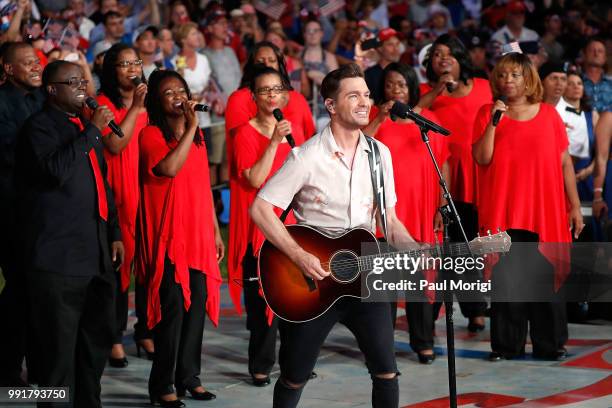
(197, 80)
(577, 131)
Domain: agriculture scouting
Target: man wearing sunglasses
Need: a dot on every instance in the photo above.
(69, 235)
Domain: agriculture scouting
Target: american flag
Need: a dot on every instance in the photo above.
(271, 8)
(511, 47)
(7, 7)
(329, 7)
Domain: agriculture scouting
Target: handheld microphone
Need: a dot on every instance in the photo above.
(498, 113)
(136, 81)
(403, 111)
(279, 116)
(450, 87)
(93, 105)
(201, 108)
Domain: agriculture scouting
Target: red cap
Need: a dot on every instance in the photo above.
(386, 33)
(517, 7)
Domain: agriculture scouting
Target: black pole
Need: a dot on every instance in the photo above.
(447, 211)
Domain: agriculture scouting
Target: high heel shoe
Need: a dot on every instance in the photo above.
(157, 401)
(196, 395)
(118, 362)
(426, 358)
(150, 354)
(261, 382)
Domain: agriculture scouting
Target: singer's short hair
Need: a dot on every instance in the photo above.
(534, 91)
(331, 82)
(51, 72)
(260, 70)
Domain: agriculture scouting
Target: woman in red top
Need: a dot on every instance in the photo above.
(260, 149)
(240, 109)
(525, 178)
(126, 101)
(455, 98)
(180, 239)
(416, 185)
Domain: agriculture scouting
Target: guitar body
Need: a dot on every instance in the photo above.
(294, 297)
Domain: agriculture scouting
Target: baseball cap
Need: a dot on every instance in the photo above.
(551, 67)
(516, 7)
(386, 33)
(101, 47)
(212, 16)
(143, 29)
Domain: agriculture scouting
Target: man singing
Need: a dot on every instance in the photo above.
(70, 237)
(329, 184)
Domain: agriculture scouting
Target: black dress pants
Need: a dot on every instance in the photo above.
(178, 336)
(72, 322)
(515, 274)
(370, 323)
(476, 305)
(141, 330)
(262, 337)
(121, 310)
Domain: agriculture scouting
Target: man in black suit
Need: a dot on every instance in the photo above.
(70, 237)
(20, 96)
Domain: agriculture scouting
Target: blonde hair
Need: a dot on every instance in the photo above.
(534, 91)
(181, 32)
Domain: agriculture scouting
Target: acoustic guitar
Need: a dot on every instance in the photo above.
(294, 297)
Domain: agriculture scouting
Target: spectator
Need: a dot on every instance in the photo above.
(389, 51)
(226, 70)
(597, 85)
(343, 42)
(114, 32)
(167, 45)
(241, 40)
(535, 52)
(295, 69)
(515, 29)
(146, 43)
(98, 52)
(179, 14)
(130, 23)
(439, 20)
(554, 81)
(475, 42)
(552, 27)
(84, 24)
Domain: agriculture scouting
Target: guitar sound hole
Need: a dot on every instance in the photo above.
(344, 266)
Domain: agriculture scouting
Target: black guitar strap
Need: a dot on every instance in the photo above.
(378, 182)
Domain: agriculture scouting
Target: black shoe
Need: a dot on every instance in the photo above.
(157, 401)
(313, 375)
(118, 362)
(475, 327)
(497, 356)
(150, 354)
(261, 382)
(426, 358)
(559, 355)
(196, 395)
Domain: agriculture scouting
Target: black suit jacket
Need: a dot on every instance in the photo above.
(61, 229)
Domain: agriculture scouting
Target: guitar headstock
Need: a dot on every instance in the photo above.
(488, 244)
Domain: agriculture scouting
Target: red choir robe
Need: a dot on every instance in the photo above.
(416, 182)
(123, 180)
(523, 185)
(240, 109)
(176, 218)
(458, 115)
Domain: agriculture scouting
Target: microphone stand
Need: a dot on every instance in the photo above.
(447, 211)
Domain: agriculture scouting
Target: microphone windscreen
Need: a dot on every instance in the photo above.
(91, 103)
(136, 81)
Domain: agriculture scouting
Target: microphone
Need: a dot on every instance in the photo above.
(93, 105)
(279, 116)
(403, 111)
(498, 113)
(136, 81)
(201, 107)
(450, 87)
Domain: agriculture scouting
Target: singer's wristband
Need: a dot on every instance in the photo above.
(598, 190)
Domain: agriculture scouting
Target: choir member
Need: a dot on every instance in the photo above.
(118, 90)
(455, 96)
(525, 176)
(416, 184)
(180, 238)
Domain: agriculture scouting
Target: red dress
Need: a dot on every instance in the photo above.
(458, 115)
(416, 181)
(176, 219)
(523, 185)
(123, 180)
(240, 109)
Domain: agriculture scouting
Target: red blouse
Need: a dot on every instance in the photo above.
(123, 179)
(240, 109)
(416, 181)
(176, 217)
(523, 185)
(458, 115)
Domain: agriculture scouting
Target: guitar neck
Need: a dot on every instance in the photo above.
(366, 262)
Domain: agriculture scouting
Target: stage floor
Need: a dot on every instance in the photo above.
(583, 380)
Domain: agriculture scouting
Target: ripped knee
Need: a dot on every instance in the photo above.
(386, 376)
(291, 385)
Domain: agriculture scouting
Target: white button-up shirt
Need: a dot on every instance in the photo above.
(325, 191)
(576, 127)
